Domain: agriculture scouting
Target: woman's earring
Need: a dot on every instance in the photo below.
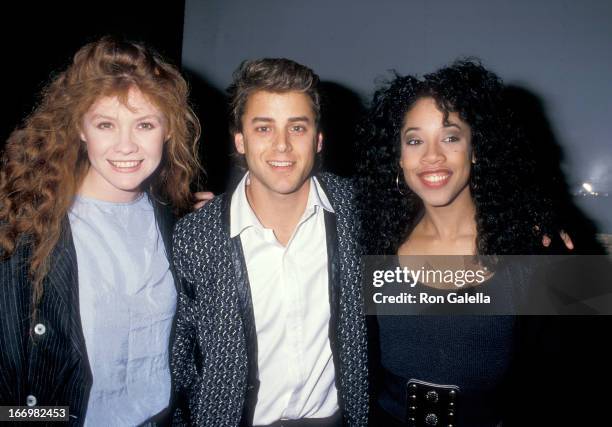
(397, 185)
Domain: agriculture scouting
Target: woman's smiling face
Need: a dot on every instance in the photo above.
(436, 154)
(124, 146)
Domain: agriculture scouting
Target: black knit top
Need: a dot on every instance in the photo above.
(473, 352)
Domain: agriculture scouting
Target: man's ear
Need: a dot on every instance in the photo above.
(239, 142)
(319, 142)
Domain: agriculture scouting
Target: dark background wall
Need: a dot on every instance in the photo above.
(555, 54)
(40, 38)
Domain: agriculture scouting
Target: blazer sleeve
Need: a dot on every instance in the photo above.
(14, 326)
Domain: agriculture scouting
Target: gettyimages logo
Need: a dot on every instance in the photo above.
(509, 285)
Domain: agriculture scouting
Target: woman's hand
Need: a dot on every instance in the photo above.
(202, 197)
(569, 244)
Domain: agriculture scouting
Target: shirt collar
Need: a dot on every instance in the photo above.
(317, 196)
(243, 217)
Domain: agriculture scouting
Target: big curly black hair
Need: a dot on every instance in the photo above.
(511, 209)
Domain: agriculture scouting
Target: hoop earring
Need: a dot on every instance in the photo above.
(397, 184)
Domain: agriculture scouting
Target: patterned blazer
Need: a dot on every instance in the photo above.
(214, 360)
(44, 363)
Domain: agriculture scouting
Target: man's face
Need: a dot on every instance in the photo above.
(279, 140)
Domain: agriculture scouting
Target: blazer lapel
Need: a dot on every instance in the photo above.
(333, 273)
(165, 222)
(245, 302)
(333, 278)
(62, 283)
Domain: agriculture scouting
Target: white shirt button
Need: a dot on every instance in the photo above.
(31, 400)
(40, 329)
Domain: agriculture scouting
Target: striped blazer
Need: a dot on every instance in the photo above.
(44, 362)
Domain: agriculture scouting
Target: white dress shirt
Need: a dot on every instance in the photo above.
(289, 289)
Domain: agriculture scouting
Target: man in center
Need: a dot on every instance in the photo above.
(270, 329)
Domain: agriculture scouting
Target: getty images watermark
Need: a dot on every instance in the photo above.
(429, 276)
(509, 285)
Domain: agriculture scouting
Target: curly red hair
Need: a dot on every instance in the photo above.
(44, 161)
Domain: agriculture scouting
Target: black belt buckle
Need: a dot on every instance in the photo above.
(431, 405)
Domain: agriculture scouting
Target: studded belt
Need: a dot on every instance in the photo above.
(427, 404)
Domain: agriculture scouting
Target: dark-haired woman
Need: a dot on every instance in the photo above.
(445, 171)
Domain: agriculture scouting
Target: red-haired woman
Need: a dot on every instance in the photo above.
(89, 188)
